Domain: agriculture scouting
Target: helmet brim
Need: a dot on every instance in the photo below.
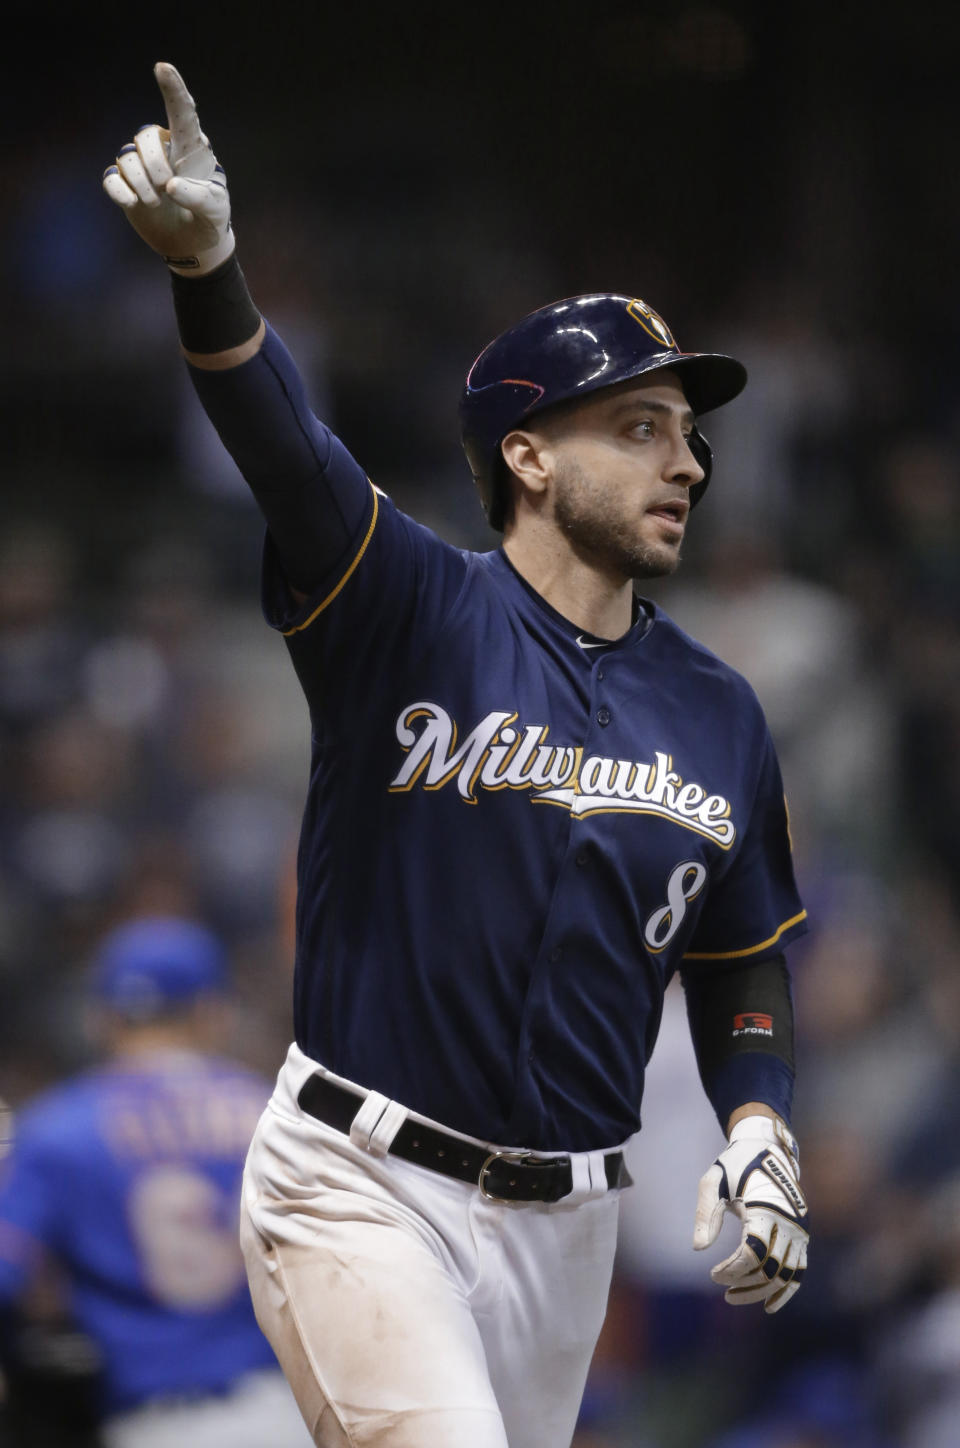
(709, 379)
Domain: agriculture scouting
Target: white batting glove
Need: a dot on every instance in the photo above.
(757, 1177)
(171, 186)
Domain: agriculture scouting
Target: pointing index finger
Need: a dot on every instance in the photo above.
(184, 125)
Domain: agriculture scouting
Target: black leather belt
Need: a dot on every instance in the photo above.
(502, 1176)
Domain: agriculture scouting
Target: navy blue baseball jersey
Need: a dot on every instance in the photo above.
(514, 834)
(129, 1177)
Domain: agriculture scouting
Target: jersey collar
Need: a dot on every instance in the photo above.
(644, 616)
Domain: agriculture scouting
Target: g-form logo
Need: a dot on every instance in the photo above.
(752, 1023)
(652, 323)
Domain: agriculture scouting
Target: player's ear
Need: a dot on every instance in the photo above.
(528, 457)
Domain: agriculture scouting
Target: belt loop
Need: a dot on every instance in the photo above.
(377, 1123)
(589, 1177)
(381, 1137)
(364, 1124)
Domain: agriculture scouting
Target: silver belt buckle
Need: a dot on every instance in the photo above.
(516, 1156)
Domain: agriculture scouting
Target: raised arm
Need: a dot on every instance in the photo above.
(174, 193)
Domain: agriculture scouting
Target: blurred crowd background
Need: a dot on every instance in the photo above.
(780, 183)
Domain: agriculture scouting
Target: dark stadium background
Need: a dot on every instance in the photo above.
(778, 180)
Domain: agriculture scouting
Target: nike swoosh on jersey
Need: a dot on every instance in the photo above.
(586, 643)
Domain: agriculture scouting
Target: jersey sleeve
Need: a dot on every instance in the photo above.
(377, 584)
(741, 1019)
(373, 614)
(314, 497)
(753, 910)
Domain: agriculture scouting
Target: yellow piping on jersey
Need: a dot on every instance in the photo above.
(298, 628)
(752, 950)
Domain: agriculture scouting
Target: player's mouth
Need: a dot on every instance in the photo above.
(673, 514)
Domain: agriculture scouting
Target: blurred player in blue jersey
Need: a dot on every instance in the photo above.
(532, 800)
(125, 1183)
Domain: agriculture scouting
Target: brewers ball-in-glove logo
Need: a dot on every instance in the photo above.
(652, 322)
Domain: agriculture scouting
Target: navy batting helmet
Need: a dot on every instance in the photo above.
(565, 351)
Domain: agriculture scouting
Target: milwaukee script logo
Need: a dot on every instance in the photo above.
(753, 1023)
(496, 755)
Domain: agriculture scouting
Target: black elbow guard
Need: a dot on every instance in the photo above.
(746, 1008)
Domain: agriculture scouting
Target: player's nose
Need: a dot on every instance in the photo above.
(682, 467)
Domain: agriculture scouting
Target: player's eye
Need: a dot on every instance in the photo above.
(644, 427)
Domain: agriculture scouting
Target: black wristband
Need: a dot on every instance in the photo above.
(214, 312)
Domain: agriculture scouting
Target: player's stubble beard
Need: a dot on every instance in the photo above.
(587, 515)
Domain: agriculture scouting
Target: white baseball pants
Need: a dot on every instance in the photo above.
(407, 1310)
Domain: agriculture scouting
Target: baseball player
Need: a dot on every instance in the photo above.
(532, 800)
(127, 1180)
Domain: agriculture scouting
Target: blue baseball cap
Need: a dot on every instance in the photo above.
(157, 964)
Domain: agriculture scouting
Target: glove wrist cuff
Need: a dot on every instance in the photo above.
(755, 1127)
(204, 261)
(767, 1128)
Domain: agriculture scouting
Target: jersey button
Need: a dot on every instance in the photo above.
(583, 857)
(556, 953)
(603, 716)
(599, 673)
